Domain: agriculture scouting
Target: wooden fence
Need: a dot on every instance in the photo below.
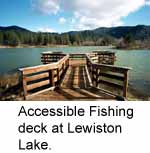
(103, 57)
(42, 78)
(51, 57)
(77, 56)
(111, 75)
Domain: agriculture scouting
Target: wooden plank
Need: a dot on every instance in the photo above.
(55, 71)
(58, 77)
(112, 76)
(39, 68)
(92, 73)
(111, 68)
(60, 72)
(25, 86)
(49, 60)
(28, 97)
(63, 68)
(51, 54)
(74, 56)
(52, 82)
(97, 77)
(36, 69)
(37, 76)
(94, 58)
(108, 67)
(110, 83)
(36, 85)
(125, 87)
(55, 79)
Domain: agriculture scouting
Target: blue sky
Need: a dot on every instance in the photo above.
(65, 15)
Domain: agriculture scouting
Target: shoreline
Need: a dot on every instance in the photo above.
(50, 46)
(28, 46)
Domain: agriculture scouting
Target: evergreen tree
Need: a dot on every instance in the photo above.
(65, 39)
(12, 39)
(1, 38)
(40, 38)
(128, 38)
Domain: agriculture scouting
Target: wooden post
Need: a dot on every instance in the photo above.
(97, 77)
(58, 71)
(58, 77)
(125, 87)
(62, 68)
(92, 73)
(24, 86)
(68, 63)
(98, 58)
(52, 78)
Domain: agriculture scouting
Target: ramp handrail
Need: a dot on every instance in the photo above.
(108, 74)
(38, 79)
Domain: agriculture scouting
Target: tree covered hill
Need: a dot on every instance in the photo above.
(138, 32)
(14, 36)
(14, 28)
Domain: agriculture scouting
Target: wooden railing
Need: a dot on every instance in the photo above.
(79, 56)
(111, 75)
(48, 57)
(43, 77)
(103, 57)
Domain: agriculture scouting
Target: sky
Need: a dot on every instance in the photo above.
(69, 15)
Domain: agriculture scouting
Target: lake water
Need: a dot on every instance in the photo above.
(139, 60)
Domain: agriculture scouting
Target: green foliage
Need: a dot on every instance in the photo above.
(10, 38)
(128, 38)
(1, 38)
(14, 36)
(65, 39)
(106, 41)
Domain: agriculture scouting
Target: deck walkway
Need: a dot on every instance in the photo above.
(75, 85)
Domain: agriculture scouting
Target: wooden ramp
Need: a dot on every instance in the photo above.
(75, 85)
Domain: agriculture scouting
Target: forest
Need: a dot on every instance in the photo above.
(121, 37)
(15, 36)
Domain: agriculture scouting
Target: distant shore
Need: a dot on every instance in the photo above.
(133, 48)
(29, 46)
(49, 46)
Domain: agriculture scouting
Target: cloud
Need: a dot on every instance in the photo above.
(46, 29)
(46, 6)
(62, 20)
(87, 14)
(147, 2)
(102, 13)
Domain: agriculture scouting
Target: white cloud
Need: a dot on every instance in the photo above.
(100, 13)
(90, 14)
(62, 20)
(46, 29)
(147, 2)
(46, 6)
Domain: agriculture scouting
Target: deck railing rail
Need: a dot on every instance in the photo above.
(42, 78)
(107, 74)
(103, 57)
(75, 56)
(48, 57)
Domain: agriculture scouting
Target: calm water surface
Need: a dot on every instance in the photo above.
(138, 60)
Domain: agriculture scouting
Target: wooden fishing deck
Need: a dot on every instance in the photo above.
(74, 77)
